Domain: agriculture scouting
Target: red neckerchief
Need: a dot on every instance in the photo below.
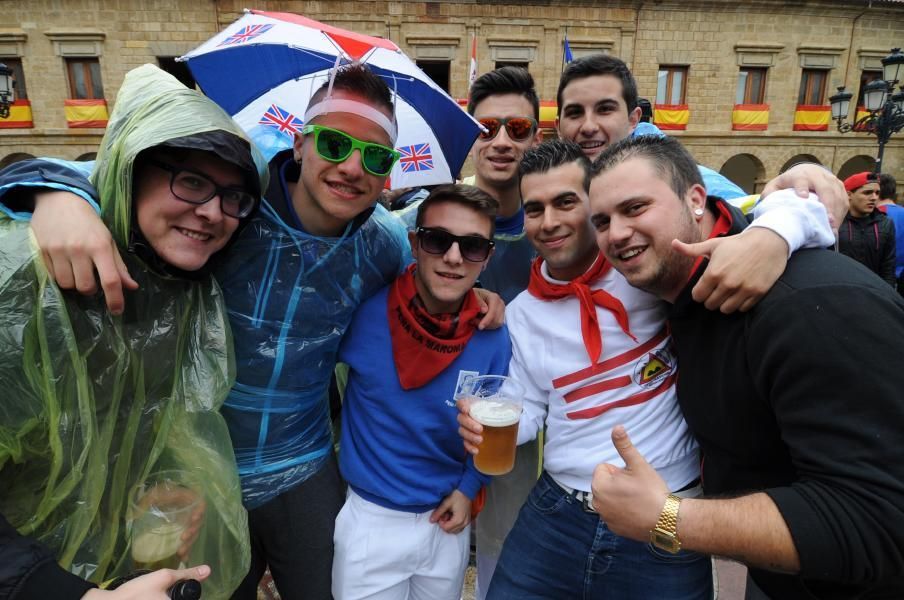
(424, 344)
(723, 224)
(540, 287)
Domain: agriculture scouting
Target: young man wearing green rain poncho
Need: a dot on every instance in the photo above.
(94, 404)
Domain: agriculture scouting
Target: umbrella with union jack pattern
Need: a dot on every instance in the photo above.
(264, 68)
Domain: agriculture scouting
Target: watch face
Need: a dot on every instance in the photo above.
(665, 540)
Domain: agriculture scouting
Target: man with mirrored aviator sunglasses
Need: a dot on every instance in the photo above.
(404, 531)
(506, 104)
(317, 248)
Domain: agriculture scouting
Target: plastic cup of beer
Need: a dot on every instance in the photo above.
(160, 510)
(495, 403)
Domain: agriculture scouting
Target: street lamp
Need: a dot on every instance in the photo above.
(7, 93)
(885, 108)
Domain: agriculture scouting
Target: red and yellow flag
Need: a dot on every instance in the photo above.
(811, 117)
(750, 117)
(19, 116)
(671, 116)
(548, 113)
(86, 113)
(861, 113)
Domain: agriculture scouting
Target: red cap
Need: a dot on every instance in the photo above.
(859, 180)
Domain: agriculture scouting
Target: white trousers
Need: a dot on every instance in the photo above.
(385, 554)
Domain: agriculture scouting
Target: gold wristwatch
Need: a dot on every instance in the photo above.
(665, 533)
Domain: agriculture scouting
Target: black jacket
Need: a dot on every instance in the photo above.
(870, 240)
(28, 571)
(801, 398)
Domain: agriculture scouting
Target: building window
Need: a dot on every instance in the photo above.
(179, 70)
(509, 63)
(751, 86)
(84, 79)
(671, 85)
(865, 78)
(437, 70)
(15, 64)
(813, 87)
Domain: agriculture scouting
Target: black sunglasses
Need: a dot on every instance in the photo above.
(438, 241)
(197, 188)
(517, 128)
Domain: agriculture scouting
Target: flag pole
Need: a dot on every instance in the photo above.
(564, 45)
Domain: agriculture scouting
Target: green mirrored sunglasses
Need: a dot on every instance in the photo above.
(336, 146)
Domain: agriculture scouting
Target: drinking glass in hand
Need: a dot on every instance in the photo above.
(494, 401)
(160, 512)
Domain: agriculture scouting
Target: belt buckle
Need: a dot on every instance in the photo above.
(587, 502)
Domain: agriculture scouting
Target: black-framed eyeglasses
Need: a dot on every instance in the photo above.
(197, 188)
(517, 128)
(438, 241)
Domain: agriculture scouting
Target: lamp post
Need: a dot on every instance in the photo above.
(885, 108)
(7, 93)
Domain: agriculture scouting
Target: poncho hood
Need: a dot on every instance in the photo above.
(154, 109)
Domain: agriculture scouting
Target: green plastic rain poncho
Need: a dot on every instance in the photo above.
(92, 404)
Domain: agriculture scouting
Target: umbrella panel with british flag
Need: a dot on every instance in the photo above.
(264, 68)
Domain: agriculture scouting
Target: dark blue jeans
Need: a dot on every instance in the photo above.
(557, 551)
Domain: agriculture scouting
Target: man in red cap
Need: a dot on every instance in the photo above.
(867, 235)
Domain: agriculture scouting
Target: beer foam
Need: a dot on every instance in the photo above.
(158, 543)
(495, 413)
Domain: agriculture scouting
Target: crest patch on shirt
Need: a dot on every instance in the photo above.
(657, 365)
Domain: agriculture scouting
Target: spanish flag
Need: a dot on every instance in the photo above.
(548, 113)
(19, 116)
(86, 113)
(811, 117)
(750, 117)
(861, 113)
(671, 116)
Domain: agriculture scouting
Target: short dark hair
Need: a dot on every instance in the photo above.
(669, 158)
(466, 195)
(504, 80)
(552, 154)
(600, 64)
(358, 79)
(888, 187)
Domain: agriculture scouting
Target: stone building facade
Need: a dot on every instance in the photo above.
(708, 43)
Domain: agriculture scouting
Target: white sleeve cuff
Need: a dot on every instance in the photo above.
(801, 222)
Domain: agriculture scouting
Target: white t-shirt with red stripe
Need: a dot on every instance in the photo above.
(632, 384)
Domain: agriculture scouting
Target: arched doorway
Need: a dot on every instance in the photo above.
(14, 158)
(799, 158)
(856, 164)
(745, 170)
